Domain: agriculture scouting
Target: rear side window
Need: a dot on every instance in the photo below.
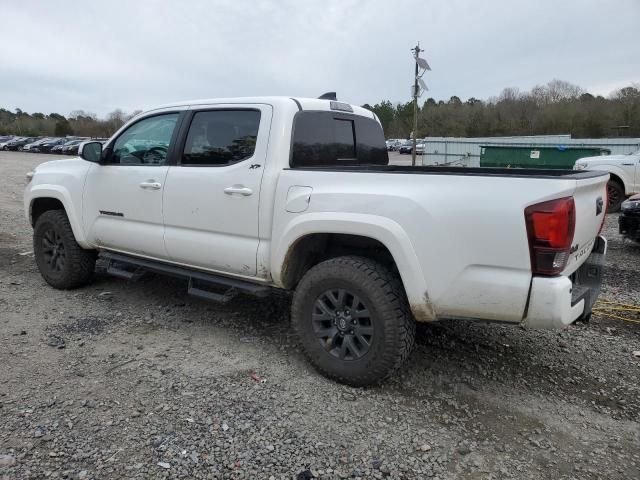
(221, 137)
(330, 139)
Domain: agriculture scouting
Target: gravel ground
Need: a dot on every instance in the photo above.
(121, 380)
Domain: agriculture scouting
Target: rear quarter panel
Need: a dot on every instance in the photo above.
(459, 241)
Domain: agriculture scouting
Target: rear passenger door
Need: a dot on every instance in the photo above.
(212, 195)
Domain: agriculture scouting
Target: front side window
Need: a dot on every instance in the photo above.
(145, 142)
(221, 137)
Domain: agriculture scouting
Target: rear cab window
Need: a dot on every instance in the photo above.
(327, 139)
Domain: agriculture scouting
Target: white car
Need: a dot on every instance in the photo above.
(256, 194)
(624, 171)
(3, 143)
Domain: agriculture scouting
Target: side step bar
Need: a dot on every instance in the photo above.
(209, 286)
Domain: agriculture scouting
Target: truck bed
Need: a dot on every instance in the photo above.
(462, 238)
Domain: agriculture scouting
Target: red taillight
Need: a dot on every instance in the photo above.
(550, 227)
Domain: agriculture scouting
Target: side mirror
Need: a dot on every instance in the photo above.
(91, 151)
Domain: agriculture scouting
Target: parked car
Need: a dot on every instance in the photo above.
(57, 149)
(393, 145)
(71, 148)
(629, 219)
(407, 147)
(46, 147)
(3, 143)
(33, 146)
(366, 248)
(18, 142)
(624, 175)
(68, 142)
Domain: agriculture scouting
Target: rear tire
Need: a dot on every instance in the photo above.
(615, 194)
(353, 320)
(62, 262)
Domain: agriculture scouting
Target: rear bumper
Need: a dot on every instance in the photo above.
(556, 302)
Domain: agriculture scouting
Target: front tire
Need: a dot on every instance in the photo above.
(353, 320)
(62, 262)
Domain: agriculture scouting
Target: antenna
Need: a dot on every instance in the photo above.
(328, 96)
(416, 90)
(422, 63)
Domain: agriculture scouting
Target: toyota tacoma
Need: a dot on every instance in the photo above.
(249, 195)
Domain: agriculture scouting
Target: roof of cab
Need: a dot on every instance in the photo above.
(302, 103)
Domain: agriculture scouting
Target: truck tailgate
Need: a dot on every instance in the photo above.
(590, 199)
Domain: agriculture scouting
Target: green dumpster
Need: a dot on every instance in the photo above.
(517, 156)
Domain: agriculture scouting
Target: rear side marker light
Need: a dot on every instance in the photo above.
(550, 228)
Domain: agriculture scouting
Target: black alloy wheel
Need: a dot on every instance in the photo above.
(53, 250)
(342, 324)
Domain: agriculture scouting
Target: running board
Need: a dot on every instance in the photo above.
(117, 269)
(223, 297)
(216, 288)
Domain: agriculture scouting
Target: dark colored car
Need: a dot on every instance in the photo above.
(406, 147)
(60, 147)
(71, 148)
(33, 146)
(629, 220)
(75, 148)
(18, 142)
(48, 145)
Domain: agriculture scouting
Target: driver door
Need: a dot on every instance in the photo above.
(122, 201)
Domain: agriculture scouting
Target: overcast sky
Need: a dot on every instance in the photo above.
(59, 56)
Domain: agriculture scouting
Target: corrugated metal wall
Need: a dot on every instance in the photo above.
(465, 152)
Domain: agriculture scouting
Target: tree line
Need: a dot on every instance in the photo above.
(558, 107)
(79, 122)
(555, 108)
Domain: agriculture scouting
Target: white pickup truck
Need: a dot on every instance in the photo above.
(255, 194)
(624, 175)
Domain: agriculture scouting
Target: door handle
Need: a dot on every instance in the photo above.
(239, 189)
(628, 164)
(150, 185)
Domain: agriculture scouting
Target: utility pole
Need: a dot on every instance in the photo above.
(418, 84)
(416, 52)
